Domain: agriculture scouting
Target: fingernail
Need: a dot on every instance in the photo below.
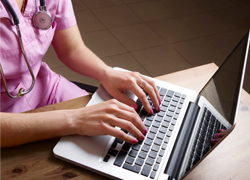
(151, 111)
(142, 137)
(221, 130)
(134, 106)
(214, 140)
(135, 141)
(159, 100)
(159, 93)
(159, 108)
(145, 131)
(216, 135)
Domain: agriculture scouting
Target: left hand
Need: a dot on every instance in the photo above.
(116, 82)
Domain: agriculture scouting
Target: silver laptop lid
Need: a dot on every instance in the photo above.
(223, 90)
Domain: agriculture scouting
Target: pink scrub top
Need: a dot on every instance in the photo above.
(49, 87)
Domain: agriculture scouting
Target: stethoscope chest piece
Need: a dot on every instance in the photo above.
(42, 19)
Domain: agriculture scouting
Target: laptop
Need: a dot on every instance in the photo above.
(179, 136)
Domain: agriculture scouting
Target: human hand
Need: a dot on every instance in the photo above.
(218, 136)
(117, 82)
(101, 119)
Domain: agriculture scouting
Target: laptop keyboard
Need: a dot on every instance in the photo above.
(145, 157)
(208, 126)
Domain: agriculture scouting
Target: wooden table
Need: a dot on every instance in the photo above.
(230, 160)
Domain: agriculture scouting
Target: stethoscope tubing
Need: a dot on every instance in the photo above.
(21, 91)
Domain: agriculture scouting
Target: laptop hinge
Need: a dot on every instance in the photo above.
(179, 150)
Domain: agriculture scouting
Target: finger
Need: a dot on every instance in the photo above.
(222, 130)
(128, 126)
(121, 135)
(214, 141)
(218, 135)
(124, 112)
(151, 89)
(142, 96)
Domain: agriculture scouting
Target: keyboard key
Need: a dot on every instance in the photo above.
(153, 174)
(163, 130)
(180, 106)
(158, 119)
(177, 94)
(173, 103)
(151, 136)
(136, 147)
(150, 161)
(171, 108)
(161, 113)
(150, 117)
(158, 160)
(112, 152)
(171, 127)
(156, 167)
(106, 158)
(114, 144)
(177, 111)
(169, 133)
(133, 153)
(165, 124)
(126, 146)
(147, 123)
(163, 91)
(173, 122)
(166, 139)
(148, 142)
(161, 152)
(155, 148)
(118, 140)
(170, 113)
(156, 124)
(176, 99)
(146, 170)
(129, 160)
(164, 146)
(165, 103)
(154, 130)
(158, 142)
(168, 99)
(142, 155)
(182, 101)
(143, 112)
(145, 148)
(167, 118)
(134, 168)
(160, 135)
(152, 154)
(120, 158)
(139, 161)
(170, 93)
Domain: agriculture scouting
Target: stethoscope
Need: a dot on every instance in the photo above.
(41, 20)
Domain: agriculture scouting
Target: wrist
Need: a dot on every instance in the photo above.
(70, 125)
(104, 74)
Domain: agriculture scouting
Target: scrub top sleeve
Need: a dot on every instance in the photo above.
(65, 17)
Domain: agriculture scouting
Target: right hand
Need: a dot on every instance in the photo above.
(102, 118)
(219, 136)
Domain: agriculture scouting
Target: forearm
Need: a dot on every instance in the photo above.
(75, 55)
(85, 62)
(17, 129)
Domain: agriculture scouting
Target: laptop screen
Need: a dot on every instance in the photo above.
(222, 90)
